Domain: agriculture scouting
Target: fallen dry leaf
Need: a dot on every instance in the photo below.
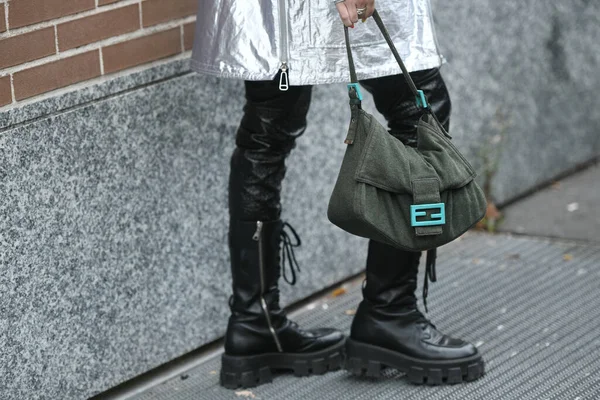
(245, 393)
(568, 257)
(490, 221)
(213, 372)
(555, 185)
(350, 312)
(338, 292)
(492, 211)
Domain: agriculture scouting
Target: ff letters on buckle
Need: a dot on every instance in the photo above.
(435, 218)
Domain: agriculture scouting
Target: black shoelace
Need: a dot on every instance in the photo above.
(287, 253)
(288, 257)
(430, 274)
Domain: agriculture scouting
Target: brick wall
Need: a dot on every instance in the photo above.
(51, 44)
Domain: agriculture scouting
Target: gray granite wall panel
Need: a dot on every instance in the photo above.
(113, 232)
(524, 80)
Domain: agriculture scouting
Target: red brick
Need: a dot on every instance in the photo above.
(142, 50)
(97, 27)
(2, 18)
(157, 11)
(54, 75)
(27, 12)
(105, 2)
(27, 47)
(188, 35)
(5, 95)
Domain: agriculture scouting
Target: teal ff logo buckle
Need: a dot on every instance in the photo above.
(435, 218)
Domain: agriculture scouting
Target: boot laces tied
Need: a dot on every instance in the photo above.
(287, 253)
(430, 274)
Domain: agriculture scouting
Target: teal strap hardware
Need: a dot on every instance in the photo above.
(354, 88)
(422, 100)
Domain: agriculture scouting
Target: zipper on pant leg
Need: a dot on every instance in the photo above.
(283, 55)
(258, 236)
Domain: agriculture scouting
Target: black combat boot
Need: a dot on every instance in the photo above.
(388, 330)
(259, 336)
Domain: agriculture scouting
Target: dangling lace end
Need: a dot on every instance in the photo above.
(287, 253)
(430, 274)
(430, 264)
(425, 290)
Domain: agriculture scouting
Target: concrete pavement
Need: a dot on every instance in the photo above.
(568, 209)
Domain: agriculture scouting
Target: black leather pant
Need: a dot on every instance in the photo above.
(274, 119)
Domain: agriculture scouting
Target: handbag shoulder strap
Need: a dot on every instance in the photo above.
(353, 86)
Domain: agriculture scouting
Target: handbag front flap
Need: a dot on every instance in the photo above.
(453, 170)
(388, 164)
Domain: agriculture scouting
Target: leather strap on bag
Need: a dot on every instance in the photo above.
(421, 100)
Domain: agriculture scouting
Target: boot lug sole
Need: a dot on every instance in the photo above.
(250, 371)
(368, 360)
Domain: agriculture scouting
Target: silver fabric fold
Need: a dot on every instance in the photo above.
(254, 40)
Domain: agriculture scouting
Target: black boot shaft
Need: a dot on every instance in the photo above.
(251, 244)
(255, 312)
(391, 277)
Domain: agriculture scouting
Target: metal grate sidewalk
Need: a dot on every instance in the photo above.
(532, 306)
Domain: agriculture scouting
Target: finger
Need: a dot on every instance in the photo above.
(344, 15)
(370, 9)
(361, 5)
(351, 6)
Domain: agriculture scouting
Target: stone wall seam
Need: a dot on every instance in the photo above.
(141, 14)
(56, 39)
(181, 34)
(12, 89)
(101, 62)
(6, 6)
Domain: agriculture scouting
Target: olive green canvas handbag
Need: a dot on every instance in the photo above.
(411, 198)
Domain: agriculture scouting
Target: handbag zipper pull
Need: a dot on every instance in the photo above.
(283, 78)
